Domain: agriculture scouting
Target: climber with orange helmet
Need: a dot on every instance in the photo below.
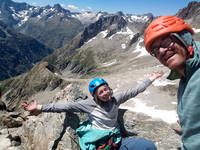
(169, 39)
(101, 130)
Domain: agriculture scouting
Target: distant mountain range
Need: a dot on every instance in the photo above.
(53, 26)
(101, 42)
(89, 42)
(18, 53)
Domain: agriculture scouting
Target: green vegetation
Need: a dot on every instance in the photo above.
(84, 62)
(28, 84)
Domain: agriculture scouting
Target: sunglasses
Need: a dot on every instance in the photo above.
(163, 43)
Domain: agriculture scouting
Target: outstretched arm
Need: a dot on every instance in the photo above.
(85, 106)
(123, 96)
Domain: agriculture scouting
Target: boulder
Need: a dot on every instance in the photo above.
(12, 120)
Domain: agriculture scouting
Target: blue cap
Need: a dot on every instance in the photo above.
(95, 83)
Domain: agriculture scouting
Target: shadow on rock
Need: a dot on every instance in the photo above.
(67, 123)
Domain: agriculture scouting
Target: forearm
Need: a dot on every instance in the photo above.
(152, 78)
(79, 106)
(132, 92)
(54, 108)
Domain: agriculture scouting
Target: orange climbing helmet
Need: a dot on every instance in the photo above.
(162, 26)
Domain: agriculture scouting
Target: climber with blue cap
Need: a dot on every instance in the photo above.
(169, 39)
(101, 131)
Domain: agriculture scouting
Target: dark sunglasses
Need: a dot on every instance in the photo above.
(164, 43)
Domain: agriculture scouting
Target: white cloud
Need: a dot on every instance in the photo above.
(72, 7)
(63, 5)
(34, 4)
(89, 8)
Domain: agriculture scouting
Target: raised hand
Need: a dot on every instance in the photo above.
(33, 106)
(156, 75)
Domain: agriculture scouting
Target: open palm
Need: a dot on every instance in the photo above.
(30, 107)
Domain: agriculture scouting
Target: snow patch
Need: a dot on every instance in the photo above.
(169, 116)
(146, 92)
(90, 40)
(138, 18)
(12, 8)
(31, 9)
(110, 63)
(45, 11)
(160, 82)
(99, 15)
(140, 49)
(123, 46)
(23, 21)
(104, 33)
(39, 16)
(21, 15)
(196, 30)
(61, 14)
(128, 32)
(174, 103)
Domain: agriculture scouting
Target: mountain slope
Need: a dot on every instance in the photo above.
(191, 13)
(111, 38)
(52, 26)
(18, 53)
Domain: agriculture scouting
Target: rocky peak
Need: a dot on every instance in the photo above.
(112, 23)
(12, 12)
(59, 8)
(16, 6)
(193, 9)
(120, 13)
(47, 7)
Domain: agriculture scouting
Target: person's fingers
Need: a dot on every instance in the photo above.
(24, 104)
(33, 102)
(24, 107)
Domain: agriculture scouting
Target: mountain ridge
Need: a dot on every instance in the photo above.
(18, 52)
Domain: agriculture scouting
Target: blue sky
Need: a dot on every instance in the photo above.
(157, 7)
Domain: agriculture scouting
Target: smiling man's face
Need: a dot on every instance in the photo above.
(170, 52)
